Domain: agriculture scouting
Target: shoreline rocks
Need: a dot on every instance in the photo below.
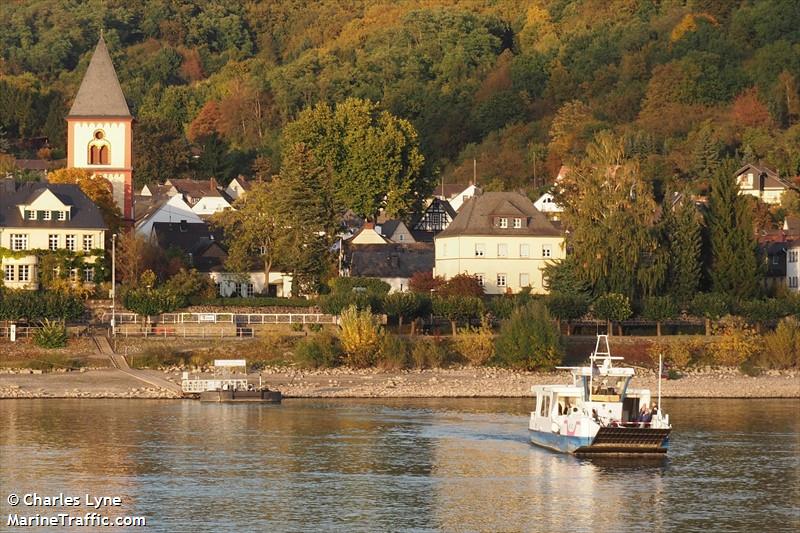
(408, 383)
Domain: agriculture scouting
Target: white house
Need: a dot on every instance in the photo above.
(761, 182)
(173, 210)
(395, 230)
(238, 187)
(204, 252)
(456, 193)
(548, 205)
(368, 234)
(213, 202)
(501, 238)
(793, 266)
(42, 217)
(393, 263)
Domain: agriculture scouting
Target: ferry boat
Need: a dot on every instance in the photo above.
(599, 413)
(228, 387)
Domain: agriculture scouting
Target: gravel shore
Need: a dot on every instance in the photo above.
(375, 383)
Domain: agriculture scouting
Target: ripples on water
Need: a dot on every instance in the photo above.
(452, 465)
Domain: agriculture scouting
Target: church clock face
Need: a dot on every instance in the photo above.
(99, 129)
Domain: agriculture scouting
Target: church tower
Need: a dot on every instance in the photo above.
(99, 134)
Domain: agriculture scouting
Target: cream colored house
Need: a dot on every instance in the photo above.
(501, 238)
(42, 217)
(761, 182)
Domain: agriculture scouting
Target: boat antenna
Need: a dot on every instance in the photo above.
(659, 382)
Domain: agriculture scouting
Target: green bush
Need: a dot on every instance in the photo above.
(476, 345)
(363, 293)
(529, 339)
(394, 353)
(500, 307)
(760, 311)
(567, 306)
(315, 328)
(147, 301)
(360, 335)
(612, 307)
(190, 284)
(782, 346)
(34, 306)
(406, 306)
(659, 308)
(430, 353)
(52, 334)
(297, 326)
(319, 351)
(736, 343)
(709, 305)
(457, 308)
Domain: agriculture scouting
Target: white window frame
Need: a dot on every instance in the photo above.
(547, 250)
(52, 241)
(19, 241)
(526, 282)
(47, 215)
(503, 222)
(524, 250)
(62, 215)
(502, 280)
(23, 273)
(502, 249)
(517, 223)
(88, 274)
(481, 279)
(8, 273)
(69, 242)
(249, 290)
(480, 249)
(31, 215)
(90, 240)
(73, 274)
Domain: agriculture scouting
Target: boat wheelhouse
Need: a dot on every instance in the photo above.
(599, 413)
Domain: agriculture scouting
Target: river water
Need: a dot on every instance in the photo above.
(381, 465)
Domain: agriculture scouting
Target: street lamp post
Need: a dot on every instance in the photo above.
(114, 286)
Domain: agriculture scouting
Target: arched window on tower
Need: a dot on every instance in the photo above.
(99, 149)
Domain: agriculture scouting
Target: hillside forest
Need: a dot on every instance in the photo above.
(519, 87)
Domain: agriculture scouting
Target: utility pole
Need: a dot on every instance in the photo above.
(114, 286)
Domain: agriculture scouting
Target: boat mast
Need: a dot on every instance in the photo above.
(659, 383)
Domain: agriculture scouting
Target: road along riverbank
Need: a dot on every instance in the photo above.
(376, 383)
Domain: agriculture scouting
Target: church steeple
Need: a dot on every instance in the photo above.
(100, 129)
(100, 94)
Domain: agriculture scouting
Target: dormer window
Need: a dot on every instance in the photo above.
(47, 215)
(62, 215)
(503, 222)
(30, 214)
(517, 223)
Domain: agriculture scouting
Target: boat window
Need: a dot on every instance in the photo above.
(545, 406)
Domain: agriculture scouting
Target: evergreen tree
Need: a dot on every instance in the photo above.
(734, 267)
(684, 241)
(303, 195)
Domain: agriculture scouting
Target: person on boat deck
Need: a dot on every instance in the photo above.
(646, 415)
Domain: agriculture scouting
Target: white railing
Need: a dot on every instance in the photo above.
(194, 386)
(225, 318)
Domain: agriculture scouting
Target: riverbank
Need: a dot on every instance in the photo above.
(376, 383)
